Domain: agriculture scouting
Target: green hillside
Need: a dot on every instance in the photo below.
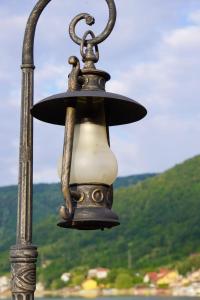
(159, 216)
(130, 180)
(47, 199)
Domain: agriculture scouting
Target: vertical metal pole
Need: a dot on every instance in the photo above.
(24, 254)
(24, 226)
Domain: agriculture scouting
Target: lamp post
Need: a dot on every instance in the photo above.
(88, 166)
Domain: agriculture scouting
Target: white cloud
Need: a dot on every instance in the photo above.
(195, 17)
(169, 88)
(171, 78)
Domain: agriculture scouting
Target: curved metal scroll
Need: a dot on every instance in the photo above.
(90, 21)
(28, 57)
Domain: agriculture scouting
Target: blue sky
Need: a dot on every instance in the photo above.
(152, 56)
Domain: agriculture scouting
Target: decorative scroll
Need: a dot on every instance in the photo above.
(28, 57)
(90, 20)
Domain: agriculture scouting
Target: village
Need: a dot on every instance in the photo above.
(163, 282)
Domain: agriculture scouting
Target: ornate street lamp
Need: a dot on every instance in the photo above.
(88, 167)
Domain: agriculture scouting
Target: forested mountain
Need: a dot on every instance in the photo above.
(47, 199)
(131, 180)
(159, 216)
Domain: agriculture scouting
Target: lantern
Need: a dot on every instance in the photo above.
(89, 167)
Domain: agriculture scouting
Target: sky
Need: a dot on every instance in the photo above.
(152, 56)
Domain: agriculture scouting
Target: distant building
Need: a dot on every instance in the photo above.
(168, 279)
(4, 284)
(65, 277)
(99, 273)
(163, 277)
(89, 284)
(194, 276)
(150, 277)
(40, 287)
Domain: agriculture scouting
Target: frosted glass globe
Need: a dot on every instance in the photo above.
(93, 162)
(92, 159)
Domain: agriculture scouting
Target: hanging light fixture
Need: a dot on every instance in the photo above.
(89, 167)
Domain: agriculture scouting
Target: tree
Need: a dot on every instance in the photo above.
(123, 281)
